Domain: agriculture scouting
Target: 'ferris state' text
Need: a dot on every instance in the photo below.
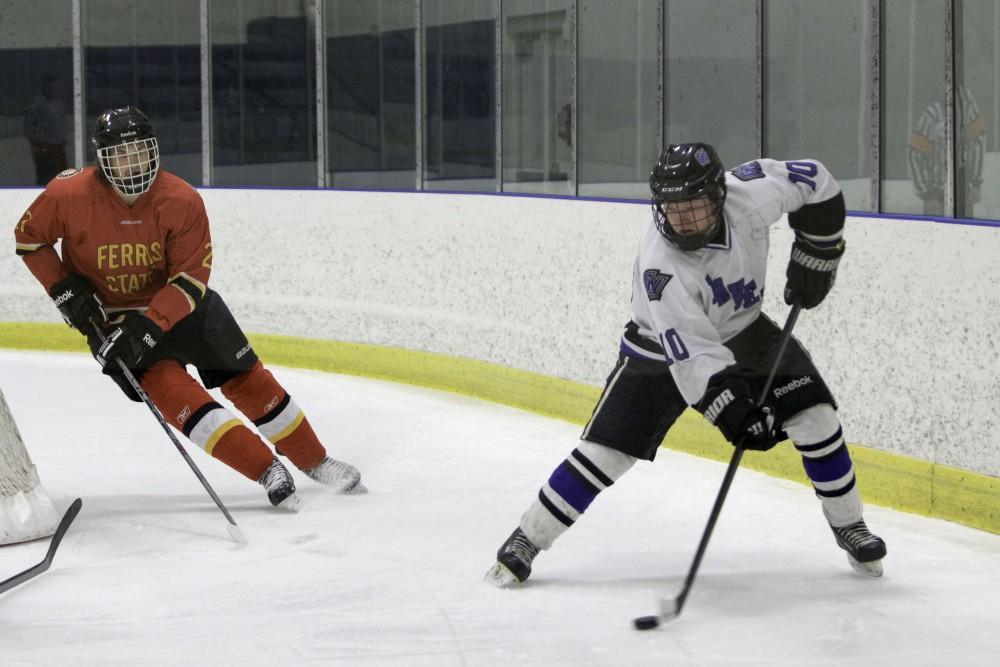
(113, 256)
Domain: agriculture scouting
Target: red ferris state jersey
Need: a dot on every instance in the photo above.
(154, 255)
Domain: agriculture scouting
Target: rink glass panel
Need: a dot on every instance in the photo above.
(460, 104)
(818, 89)
(617, 97)
(29, 100)
(710, 76)
(371, 94)
(263, 95)
(147, 54)
(538, 38)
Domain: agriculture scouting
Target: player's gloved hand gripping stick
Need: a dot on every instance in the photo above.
(671, 608)
(112, 339)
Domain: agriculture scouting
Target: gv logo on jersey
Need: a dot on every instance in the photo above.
(655, 282)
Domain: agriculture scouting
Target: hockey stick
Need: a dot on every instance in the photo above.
(36, 570)
(234, 530)
(671, 608)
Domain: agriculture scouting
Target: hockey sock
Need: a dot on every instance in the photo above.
(573, 485)
(818, 437)
(191, 410)
(259, 396)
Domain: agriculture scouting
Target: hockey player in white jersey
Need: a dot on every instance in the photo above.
(698, 338)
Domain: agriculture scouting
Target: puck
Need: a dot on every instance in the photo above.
(646, 622)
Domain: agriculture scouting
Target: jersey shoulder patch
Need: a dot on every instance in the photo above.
(655, 282)
(67, 173)
(748, 171)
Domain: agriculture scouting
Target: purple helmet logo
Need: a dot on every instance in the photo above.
(701, 155)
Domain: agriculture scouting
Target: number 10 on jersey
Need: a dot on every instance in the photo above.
(674, 348)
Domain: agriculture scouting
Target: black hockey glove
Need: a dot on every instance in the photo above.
(731, 409)
(811, 272)
(78, 304)
(134, 336)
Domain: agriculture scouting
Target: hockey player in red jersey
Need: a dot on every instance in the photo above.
(698, 337)
(136, 255)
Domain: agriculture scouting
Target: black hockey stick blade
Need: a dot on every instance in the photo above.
(669, 610)
(36, 570)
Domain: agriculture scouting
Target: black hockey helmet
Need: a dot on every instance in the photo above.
(683, 176)
(127, 150)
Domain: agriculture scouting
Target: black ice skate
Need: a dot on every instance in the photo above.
(280, 487)
(514, 558)
(339, 476)
(865, 550)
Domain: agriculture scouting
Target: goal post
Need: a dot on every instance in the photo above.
(26, 511)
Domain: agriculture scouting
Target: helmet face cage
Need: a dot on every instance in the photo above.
(127, 150)
(689, 192)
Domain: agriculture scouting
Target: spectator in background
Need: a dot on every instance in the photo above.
(45, 128)
(927, 149)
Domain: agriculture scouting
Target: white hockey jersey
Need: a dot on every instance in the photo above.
(686, 304)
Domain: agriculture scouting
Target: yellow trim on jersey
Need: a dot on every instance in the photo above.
(892, 480)
(217, 434)
(28, 247)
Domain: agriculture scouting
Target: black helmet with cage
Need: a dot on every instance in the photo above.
(127, 151)
(689, 191)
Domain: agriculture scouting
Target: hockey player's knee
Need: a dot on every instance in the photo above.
(255, 392)
(173, 391)
(812, 425)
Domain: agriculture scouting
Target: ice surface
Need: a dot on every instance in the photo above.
(149, 576)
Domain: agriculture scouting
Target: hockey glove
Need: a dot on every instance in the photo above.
(730, 408)
(78, 304)
(811, 272)
(133, 338)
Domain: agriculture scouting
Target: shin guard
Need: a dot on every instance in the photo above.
(573, 485)
(191, 410)
(818, 437)
(265, 402)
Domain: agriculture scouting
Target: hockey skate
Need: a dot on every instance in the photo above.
(339, 476)
(513, 564)
(280, 487)
(865, 550)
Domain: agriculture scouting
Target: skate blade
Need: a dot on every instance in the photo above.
(356, 490)
(290, 504)
(870, 569)
(500, 576)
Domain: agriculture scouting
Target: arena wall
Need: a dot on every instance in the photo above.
(426, 287)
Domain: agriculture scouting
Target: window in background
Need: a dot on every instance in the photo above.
(371, 95)
(914, 177)
(710, 78)
(460, 62)
(147, 54)
(619, 113)
(36, 107)
(263, 93)
(818, 83)
(538, 39)
(978, 99)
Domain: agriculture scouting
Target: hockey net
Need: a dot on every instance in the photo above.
(26, 511)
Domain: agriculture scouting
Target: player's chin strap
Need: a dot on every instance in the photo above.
(234, 530)
(671, 609)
